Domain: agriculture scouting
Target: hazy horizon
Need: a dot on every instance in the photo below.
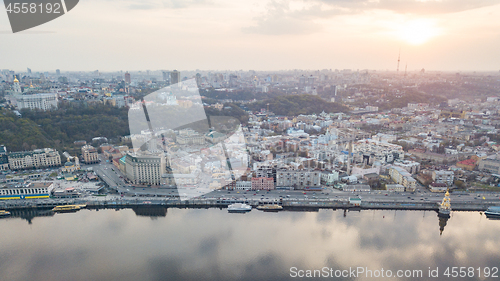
(261, 35)
(427, 71)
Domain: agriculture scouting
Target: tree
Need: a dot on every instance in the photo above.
(460, 184)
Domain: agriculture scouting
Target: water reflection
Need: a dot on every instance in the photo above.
(442, 223)
(212, 244)
(30, 214)
(152, 212)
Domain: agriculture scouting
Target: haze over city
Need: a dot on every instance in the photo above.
(249, 140)
(261, 35)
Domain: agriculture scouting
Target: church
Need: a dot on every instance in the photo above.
(44, 101)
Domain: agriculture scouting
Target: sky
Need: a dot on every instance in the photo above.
(266, 35)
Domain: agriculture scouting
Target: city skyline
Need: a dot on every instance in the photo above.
(261, 35)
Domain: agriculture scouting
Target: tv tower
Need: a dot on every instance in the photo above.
(399, 57)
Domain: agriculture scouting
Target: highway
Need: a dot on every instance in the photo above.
(116, 180)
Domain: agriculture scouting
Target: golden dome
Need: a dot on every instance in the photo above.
(15, 80)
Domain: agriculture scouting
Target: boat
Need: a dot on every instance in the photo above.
(493, 212)
(270, 208)
(68, 208)
(4, 213)
(239, 208)
(445, 207)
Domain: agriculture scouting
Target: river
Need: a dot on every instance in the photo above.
(212, 244)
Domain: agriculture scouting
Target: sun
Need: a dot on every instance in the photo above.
(417, 32)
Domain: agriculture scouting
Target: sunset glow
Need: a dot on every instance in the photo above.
(418, 32)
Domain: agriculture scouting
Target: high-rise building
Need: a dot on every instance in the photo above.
(58, 72)
(127, 77)
(166, 76)
(198, 79)
(302, 81)
(175, 77)
(29, 70)
(310, 80)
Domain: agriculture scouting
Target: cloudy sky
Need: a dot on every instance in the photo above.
(457, 35)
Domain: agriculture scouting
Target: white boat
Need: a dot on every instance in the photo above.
(493, 212)
(239, 208)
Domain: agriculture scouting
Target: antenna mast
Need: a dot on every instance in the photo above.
(399, 56)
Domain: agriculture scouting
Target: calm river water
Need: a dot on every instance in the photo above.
(190, 244)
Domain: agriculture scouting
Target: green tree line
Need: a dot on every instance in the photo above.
(298, 104)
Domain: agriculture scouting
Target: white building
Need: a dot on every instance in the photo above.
(243, 185)
(395, 188)
(38, 158)
(378, 151)
(329, 178)
(356, 188)
(411, 167)
(37, 101)
(189, 136)
(145, 168)
(401, 176)
(442, 176)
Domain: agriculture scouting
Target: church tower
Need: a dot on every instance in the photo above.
(17, 87)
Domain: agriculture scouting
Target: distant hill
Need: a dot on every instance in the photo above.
(72, 122)
(20, 133)
(465, 91)
(298, 104)
(60, 128)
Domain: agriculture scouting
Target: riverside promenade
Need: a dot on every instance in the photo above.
(288, 204)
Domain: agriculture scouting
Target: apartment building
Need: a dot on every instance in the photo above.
(491, 165)
(401, 176)
(262, 183)
(298, 179)
(38, 158)
(89, 154)
(442, 176)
